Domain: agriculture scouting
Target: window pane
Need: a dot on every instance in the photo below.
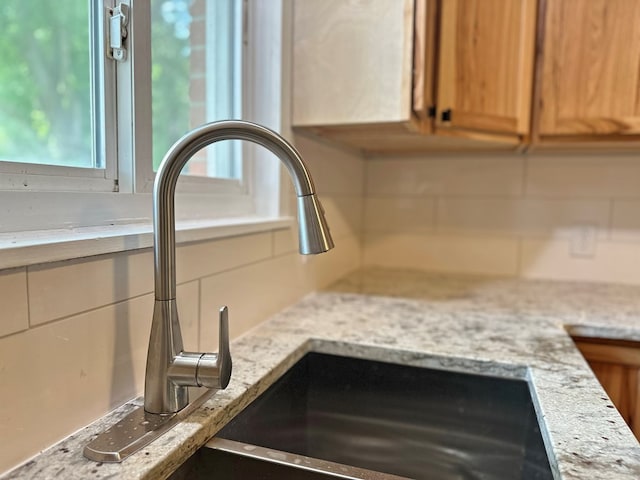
(196, 78)
(45, 83)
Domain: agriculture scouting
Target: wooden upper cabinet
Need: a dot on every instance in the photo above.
(589, 69)
(365, 73)
(485, 68)
(420, 75)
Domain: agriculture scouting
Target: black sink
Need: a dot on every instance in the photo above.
(382, 419)
(408, 421)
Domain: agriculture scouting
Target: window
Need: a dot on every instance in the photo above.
(52, 88)
(199, 39)
(81, 134)
(45, 93)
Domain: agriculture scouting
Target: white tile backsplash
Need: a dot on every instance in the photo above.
(65, 374)
(570, 217)
(13, 298)
(188, 302)
(446, 175)
(252, 293)
(345, 257)
(285, 240)
(625, 221)
(577, 176)
(343, 214)
(335, 171)
(487, 254)
(521, 216)
(400, 214)
(67, 288)
(615, 262)
(200, 259)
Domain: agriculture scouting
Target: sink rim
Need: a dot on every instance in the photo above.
(301, 462)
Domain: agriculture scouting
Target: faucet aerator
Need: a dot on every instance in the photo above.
(313, 230)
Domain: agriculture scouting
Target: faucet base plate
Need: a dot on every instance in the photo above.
(135, 431)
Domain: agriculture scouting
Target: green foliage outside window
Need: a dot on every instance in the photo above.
(45, 80)
(45, 93)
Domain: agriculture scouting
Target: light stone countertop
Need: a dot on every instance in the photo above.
(489, 325)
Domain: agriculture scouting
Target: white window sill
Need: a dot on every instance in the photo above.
(21, 249)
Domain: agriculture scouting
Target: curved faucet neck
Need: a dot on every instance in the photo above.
(167, 178)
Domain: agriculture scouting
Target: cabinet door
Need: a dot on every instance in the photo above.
(352, 61)
(485, 65)
(621, 384)
(590, 68)
(616, 364)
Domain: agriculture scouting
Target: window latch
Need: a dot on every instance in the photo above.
(117, 32)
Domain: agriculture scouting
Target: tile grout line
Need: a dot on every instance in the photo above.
(519, 259)
(26, 284)
(612, 203)
(83, 312)
(437, 221)
(199, 314)
(525, 170)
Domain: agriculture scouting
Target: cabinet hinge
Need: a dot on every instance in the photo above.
(431, 111)
(116, 31)
(446, 115)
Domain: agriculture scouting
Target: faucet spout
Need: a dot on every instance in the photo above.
(170, 370)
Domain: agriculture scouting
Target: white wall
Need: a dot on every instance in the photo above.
(574, 217)
(73, 335)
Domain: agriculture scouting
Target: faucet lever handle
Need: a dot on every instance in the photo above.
(224, 354)
(214, 369)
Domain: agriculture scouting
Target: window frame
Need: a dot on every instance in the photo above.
(144, 174)
(44, 197)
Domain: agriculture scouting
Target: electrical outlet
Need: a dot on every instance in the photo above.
(584, 240)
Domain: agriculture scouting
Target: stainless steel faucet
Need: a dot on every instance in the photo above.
(170, 370)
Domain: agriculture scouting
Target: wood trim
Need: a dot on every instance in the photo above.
(619, 342)
(585, 143)
(483, 122)
(527, 57)
(424, 58)
(597, 126)
(479, 136)
(406, 138)
(446, 57)
(610, 353)
(536, 97)
(611, 139)
(420, 59)
(634, 422)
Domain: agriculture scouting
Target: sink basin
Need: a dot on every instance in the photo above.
(385, 419)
